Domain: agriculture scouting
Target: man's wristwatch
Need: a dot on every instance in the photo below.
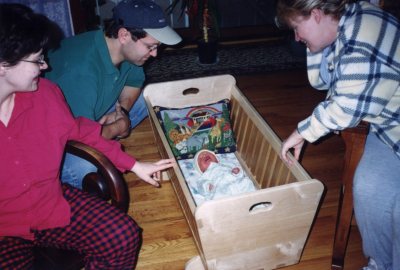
(125, 111)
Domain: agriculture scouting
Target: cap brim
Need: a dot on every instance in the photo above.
(165, 35)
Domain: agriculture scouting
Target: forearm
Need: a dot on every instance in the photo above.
(337, 113)
(88, 132)
(128, 97)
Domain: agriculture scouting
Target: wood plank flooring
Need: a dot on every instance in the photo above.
(282, 99)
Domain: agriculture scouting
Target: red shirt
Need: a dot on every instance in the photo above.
(32, 147)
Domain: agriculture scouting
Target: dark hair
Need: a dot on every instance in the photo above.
(112, 26)
(22, 32)
(288, 9)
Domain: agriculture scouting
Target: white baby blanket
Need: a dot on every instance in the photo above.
(222, 179)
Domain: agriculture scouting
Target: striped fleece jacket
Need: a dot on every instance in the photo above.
(361, 71)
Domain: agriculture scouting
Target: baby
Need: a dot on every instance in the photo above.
(204, 158)
(219, 179)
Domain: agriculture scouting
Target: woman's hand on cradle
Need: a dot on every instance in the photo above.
(150, 172)
(295, 141)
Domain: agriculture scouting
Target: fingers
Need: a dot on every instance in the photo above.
(108, 118)
(102, 120)
(166, 161)
(297, 153)
(284, 155)
(154, 181)
(294, 141)
(117, 107)
(157, 176)
(163, 164)
(151, 172)
(119, 115)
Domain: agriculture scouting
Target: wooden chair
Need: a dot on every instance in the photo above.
(107, 183)
(354, 139)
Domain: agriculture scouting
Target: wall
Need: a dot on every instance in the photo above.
(237, 13)
(105, 11)
(233, 13)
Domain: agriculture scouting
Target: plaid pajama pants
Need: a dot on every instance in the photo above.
(109, 238)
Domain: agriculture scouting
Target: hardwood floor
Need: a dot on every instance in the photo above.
(282, 99)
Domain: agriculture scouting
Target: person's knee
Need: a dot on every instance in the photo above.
(361, 189)
(365, 181)
(131, 234)
(74, 170)
(138, 112)
(16, 253)
(126, 234)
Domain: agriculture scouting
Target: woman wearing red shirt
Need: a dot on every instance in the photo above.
(35, 124)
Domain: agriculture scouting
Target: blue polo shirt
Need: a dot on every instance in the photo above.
(90, 82)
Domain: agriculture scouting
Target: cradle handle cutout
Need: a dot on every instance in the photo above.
(260, 207)
(190, 91)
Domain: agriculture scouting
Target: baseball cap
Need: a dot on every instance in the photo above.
(146, 15)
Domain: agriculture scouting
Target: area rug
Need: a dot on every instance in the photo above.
(241, 59)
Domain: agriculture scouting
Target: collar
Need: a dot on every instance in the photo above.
(101, 45)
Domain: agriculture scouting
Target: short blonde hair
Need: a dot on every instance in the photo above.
(288, 9)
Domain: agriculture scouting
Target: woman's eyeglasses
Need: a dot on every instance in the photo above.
(39, 62)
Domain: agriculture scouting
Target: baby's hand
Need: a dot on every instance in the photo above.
(235, 170)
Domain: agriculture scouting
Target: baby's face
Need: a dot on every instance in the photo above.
(204, 160)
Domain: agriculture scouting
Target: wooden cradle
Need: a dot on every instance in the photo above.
(230, 233)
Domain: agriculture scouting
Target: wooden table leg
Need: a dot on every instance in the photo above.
(354, 139)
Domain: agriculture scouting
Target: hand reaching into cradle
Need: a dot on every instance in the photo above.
(150, 172)
(295, 141)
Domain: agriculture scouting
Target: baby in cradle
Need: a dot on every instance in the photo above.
(219, 179)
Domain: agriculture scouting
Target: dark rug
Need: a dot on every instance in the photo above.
(242, 59)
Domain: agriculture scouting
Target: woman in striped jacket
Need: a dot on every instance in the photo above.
(353, 51)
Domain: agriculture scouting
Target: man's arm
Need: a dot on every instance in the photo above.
(128, 97)
(117, 124)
